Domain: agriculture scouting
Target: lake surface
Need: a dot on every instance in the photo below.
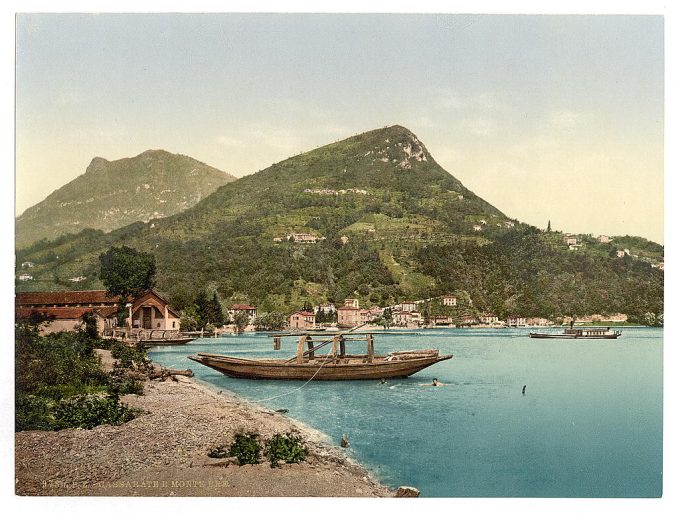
(588, 425)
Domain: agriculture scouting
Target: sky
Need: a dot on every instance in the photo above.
(556, 118)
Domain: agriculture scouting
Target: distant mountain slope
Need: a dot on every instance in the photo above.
(112, 194)
(390, 225)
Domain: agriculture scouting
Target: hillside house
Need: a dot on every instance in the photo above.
(348, 316)
(476, 227)
(325, 308)
(25, 277)
(302, 237)
(351, 303)
(302, 320)
(27, 264)
(249, 310)
(66, 308)
(603, 239)
(449, 300)
(570, 239)
(407, 305)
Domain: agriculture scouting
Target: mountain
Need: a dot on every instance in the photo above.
(112, 194)
(389, 223)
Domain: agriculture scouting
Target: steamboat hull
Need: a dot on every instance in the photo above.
(561, 336)
(344, 369)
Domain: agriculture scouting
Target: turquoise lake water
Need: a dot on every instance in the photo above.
(588, 425)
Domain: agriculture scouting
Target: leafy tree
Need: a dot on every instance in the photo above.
(241, 320)
(126, 272)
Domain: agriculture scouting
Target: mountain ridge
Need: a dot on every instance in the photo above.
(389, 224)
(111, 194)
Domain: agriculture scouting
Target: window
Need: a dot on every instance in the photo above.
(173, 324)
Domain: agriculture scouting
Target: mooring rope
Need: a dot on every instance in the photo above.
(316, 372)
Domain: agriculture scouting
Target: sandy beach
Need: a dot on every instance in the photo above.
(164, 452)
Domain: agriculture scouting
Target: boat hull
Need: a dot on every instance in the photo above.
(348, 369)
(562, 336)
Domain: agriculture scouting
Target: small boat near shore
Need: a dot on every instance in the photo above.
(336, 365)
(590, 333)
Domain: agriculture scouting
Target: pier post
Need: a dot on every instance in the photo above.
(301, 349)
(277, 343)
(369, 347)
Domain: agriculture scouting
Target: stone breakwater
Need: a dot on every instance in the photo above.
(164, 452)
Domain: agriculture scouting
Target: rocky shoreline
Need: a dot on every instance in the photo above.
(164, 452)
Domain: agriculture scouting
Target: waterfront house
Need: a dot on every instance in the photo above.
(443, 320)
(66, 309)
(468, 320)
(348, 316)
(449, 300)
(249, 310)
(538, 322)
(488, 319)
(401, 318)
(302, 320)
(516, 321)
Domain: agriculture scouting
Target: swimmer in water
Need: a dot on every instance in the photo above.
(435, 382)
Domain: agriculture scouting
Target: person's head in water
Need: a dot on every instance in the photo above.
(435, 382)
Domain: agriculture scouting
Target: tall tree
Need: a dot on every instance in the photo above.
(126, 272)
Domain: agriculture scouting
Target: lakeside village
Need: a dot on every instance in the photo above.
(150, 317)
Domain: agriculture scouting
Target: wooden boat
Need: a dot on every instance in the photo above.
(590, 333)
(335, 366)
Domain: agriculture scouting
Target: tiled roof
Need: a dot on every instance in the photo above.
(242, 307)
(64, 297)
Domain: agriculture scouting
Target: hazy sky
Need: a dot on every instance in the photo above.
(547, 117)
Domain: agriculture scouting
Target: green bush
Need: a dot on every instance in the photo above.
(129, 357)
(33, 413)
(246, 449)
(288, 448)
(121, 385)
(88, 411)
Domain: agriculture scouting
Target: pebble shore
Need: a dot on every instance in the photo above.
(164, 452)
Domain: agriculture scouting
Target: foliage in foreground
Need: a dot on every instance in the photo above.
(247, 450)
(288, 448)
(60, 382)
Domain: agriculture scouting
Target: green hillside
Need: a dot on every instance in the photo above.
(112, 194)
(396, 226)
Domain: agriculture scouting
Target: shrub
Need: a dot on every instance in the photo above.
(246, 449)
(129, 357)
(33, 412)
(288, 448)
(121, 385)
(88, 411)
